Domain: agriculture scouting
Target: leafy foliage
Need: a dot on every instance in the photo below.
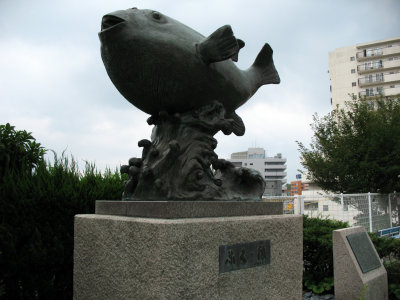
(37, 211)
(356, 149)
(389, 249)
(317, 253)
(18, 150)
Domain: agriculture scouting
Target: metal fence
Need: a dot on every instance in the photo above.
(373, 211)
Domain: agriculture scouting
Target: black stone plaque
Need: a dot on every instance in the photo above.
(364, 251)
(243, 256)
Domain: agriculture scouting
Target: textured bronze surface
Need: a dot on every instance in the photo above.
(191, 87)
(364, 251)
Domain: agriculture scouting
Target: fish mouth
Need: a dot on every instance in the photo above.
(110, 21)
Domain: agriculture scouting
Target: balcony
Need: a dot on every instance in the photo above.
(391, 64)
(377, 52)
(371, 80)
(378, 65)
(392, 78)
(369, 53)
(392, 91)
(277, 174)
(273, 166)
(365, 68)
(370, 93)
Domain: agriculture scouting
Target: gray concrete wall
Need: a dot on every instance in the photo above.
(119, 257)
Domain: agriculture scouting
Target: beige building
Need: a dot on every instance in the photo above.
(365, 70)
(272, 169)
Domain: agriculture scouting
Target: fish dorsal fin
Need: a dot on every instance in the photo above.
(220, 45)
(238, 125)
(263, 67)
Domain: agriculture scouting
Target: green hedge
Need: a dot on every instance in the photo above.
(389, 250)
(38, 201)
(318, 256)
(318, 253)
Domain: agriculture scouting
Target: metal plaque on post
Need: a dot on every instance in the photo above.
(364, 251)
(243, 256)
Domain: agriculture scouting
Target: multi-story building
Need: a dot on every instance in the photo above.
(365, 70)
(273, 169)
(297, 187)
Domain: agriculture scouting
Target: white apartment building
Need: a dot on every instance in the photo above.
(272, 169)
(365, 70)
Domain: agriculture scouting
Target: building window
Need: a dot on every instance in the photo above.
(251, 164)
(245, 164)
(352, 58)
(311, 206)
(325, 207)
(353, 84)
(392, 86)
(353, 71)
(378, 64)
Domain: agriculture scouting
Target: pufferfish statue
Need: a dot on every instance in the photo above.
(191, 87)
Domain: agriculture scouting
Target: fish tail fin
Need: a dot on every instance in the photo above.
(238, 125)
(264, 68)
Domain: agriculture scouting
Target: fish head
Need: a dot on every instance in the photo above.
(123, 25)
(130, 20)
(138, 47)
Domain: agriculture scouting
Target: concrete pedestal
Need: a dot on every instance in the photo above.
(356, 274)
(119, 257)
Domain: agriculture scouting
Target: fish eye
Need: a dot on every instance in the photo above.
(156, 15)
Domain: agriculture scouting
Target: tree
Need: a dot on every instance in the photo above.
(19, 150)
(356, 149)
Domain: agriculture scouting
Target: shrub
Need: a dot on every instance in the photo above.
(18, 150)
(317, 253)
(389, 250)
(37, 211)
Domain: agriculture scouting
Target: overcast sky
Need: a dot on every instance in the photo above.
(53, 82)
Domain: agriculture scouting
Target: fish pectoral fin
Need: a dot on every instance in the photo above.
(220, 45)
(238, 125)
(241, 45)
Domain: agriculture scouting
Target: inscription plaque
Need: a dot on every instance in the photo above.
(363, 251)
(243, 256)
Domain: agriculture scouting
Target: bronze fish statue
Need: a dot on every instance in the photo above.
(159, 64)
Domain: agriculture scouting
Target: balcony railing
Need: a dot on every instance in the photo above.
(365, 67)
(370, 80)
(370, 53)
(371, 93)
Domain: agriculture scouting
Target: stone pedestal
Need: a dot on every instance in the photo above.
(358, 270)
(125, 257)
